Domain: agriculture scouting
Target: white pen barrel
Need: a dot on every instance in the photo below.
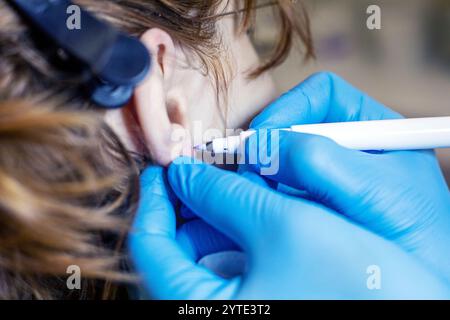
(401, 134)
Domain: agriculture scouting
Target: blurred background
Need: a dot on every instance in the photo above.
(405, 65)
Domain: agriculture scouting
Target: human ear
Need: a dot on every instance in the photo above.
(162, 118)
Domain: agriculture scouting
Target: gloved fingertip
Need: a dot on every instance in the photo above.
(184, 160)
(150, 174)
(181, 171)
(153, 181)
(265, 120)
(256, 123)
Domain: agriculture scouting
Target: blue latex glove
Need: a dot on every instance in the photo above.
(296, 248)
(401, 196)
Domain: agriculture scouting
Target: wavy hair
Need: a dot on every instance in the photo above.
(68, 187)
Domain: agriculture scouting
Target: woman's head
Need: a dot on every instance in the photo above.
(205, 68)
(68, 171)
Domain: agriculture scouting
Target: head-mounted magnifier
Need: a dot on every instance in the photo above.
(115, 62)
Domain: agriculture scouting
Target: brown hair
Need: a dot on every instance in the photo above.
(68, 187)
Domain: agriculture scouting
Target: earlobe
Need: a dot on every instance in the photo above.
(162, 120)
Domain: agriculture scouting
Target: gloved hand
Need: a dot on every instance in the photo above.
(401, 196)
(296, 248)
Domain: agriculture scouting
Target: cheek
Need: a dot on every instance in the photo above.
(248, 97)
(204, 113)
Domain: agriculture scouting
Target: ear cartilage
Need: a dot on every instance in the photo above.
(374, 135)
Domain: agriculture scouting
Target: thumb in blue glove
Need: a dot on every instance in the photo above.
(296, 248)
(168, 270)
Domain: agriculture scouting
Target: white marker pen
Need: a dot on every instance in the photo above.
(388, 135)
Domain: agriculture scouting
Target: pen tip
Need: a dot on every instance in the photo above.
(206, 147)
(200, 147)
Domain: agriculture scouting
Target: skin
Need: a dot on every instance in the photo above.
(176, 106)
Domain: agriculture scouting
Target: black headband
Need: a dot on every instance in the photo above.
(116, 62)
